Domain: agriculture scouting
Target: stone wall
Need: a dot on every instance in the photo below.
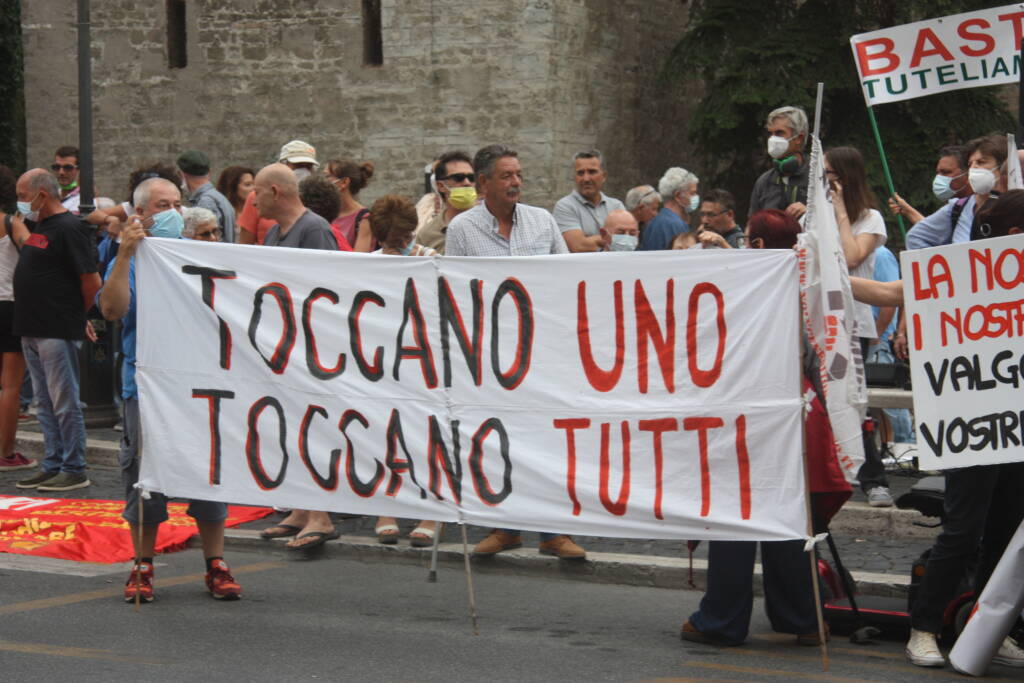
(548, 77)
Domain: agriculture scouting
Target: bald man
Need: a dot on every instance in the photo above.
(54, 283)
(277, 198)
(620, 231)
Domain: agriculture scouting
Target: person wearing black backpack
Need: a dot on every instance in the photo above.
(986, 164)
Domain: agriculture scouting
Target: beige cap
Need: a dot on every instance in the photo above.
(298, 152)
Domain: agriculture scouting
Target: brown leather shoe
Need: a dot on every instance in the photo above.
(563, 547)
(689, 632)
(497, 541)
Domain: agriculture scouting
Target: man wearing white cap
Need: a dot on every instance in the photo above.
(298, 155)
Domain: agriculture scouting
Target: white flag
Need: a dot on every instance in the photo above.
(827, 307)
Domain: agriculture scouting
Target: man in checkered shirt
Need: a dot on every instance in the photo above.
(500, 225)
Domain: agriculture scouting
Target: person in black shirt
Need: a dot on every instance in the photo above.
(54, 284)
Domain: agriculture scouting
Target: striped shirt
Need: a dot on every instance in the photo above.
(475, 233)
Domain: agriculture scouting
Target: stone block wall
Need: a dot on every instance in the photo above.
(548, 77)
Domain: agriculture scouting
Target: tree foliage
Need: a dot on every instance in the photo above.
(752, 57)
(12, 99)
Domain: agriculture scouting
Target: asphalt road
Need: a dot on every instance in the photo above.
(338, 620)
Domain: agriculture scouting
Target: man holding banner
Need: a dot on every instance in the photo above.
(157, 203)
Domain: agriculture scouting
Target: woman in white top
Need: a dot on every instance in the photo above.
(13, 233)
(393, 221)
(861, 226)
(861, 231)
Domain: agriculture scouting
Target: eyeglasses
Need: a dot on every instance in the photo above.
(67, 168)
(460, 177)
(208, 235)
(711, 214)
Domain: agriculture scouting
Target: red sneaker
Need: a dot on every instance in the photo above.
(221, 584)
(140, 582)
(17, 461)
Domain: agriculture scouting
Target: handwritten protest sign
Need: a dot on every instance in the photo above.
(966, 50)
(645, 395)
(965, 308)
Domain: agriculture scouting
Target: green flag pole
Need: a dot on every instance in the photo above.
(885, 166)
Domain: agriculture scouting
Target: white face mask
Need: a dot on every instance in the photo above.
(623, 242)
(778, 146)
(982, 180)
(694, 202)
(302, 173)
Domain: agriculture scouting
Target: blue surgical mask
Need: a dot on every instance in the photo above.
(694, 202)
(25, 209)
(407, 249)
(167, 223)
(623, 242)
(941, 187)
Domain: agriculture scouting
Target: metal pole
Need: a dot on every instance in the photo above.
(817, 110)
(85, 166)
(96, 359)
(885, 165)
(432, 576)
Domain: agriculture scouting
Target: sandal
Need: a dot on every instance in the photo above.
(280, 531)
(421, 537)
(387, 534)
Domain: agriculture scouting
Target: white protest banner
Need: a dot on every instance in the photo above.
(827, 307)
(1014, 181)
(966, 50)
(965, 319)
(645, 395)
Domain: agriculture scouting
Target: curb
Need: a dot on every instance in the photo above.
(598, 567)
(855, 519)
(98, 452)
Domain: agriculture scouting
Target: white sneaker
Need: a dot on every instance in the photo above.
(879, 497)
(1010, 654)
(923, 649)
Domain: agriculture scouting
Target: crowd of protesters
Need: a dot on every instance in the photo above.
(52, 271)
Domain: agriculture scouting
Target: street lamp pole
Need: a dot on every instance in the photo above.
(96, 359)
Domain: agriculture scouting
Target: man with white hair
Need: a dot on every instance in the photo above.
(54, 284)
(678, 188)
(643, 201)
(157, 214)
(784, 185)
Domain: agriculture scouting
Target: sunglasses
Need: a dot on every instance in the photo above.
(63, 167)
(460, 177)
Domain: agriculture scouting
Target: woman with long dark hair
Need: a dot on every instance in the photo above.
(353, 221)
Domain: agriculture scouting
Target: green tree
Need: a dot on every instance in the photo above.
(754, 56)
(12, 96)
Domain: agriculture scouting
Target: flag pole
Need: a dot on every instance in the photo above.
(1020, 102)
(817, 110)
(885, 165)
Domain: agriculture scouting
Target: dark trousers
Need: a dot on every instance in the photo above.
(872, 472)
(724, 613)
(982, 505)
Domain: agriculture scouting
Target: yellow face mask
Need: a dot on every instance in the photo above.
(462, 197)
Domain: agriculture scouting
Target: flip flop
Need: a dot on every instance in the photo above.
(286, 530)
(421, 537)
(319, 538)
(387, 534)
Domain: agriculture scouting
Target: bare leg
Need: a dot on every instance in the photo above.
(212, 536)
(12, 370)
(148, 547)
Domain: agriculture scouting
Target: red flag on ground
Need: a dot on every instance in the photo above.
(92, 530)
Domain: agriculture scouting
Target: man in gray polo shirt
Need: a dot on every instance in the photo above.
(581, 213)
(277, 198)
(195, 169)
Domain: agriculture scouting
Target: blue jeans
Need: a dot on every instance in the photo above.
(54, 369)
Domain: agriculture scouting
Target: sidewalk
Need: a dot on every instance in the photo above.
(877, 544)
